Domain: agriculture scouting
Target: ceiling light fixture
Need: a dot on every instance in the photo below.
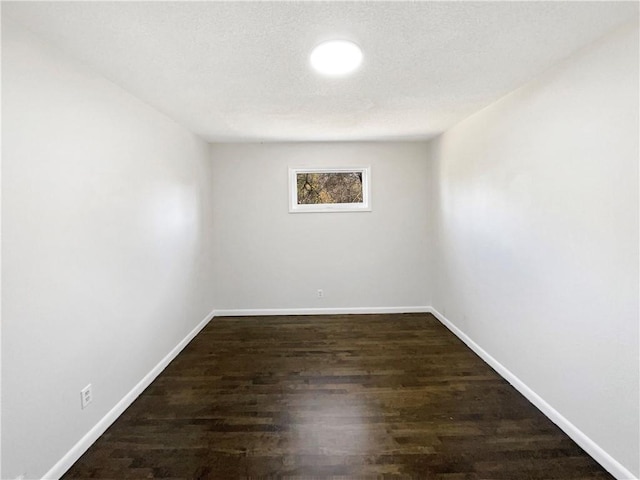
(336, 57)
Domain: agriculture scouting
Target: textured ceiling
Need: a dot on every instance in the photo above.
(239, 71)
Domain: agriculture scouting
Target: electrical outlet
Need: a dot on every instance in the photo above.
(320, 293)
(86, 396)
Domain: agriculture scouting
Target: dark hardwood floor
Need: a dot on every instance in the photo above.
(341, 396)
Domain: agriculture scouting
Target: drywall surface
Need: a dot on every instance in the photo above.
(535, 210)
(268, 258)
(106, 226)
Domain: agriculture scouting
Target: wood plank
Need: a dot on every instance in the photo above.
(339, 396)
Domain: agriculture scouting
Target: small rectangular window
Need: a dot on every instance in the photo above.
(329, 189)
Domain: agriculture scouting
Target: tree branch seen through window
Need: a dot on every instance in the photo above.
(316, 188)
(341, 189)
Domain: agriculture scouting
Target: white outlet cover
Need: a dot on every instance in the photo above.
(86, 396)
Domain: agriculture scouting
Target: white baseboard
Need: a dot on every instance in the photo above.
(318, 311)
(99, 428)
(592, 448)
(587, 444)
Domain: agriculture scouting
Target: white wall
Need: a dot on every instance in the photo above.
(536, 257)
(268, 258)
(106, 222)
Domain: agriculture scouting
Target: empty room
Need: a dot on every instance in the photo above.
(320, 240)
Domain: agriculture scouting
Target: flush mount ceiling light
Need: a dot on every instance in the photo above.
(336, 57)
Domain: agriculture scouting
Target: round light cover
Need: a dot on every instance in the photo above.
(336, 57)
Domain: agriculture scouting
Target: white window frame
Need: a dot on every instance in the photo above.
(365, 206)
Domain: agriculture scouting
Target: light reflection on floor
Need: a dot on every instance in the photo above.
(329, 425)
